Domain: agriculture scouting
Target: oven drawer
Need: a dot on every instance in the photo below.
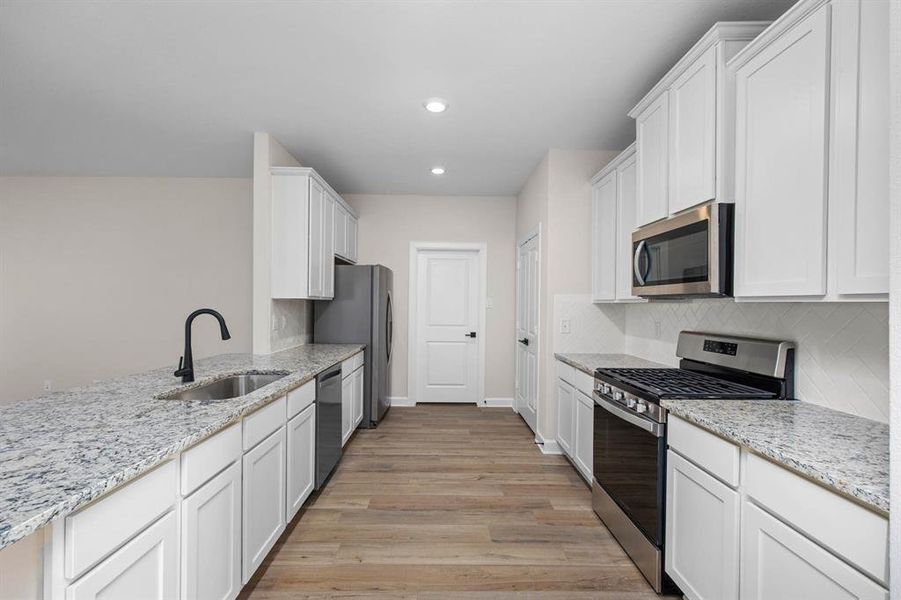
(713, 454)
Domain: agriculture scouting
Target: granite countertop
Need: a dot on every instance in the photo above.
(62, 450)
(589, 362)
(844, 452)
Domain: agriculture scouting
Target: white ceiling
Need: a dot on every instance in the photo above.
(177, 88)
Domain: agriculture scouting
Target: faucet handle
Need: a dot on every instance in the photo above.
(180, 370)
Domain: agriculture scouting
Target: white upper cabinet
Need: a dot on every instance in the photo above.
(811, 186)
(692, 140)
(310, 225)
(684, 128)
(613, 218)
(651, 129)
(603, 239)
(626, 221)
(858, 177)
(345, 231)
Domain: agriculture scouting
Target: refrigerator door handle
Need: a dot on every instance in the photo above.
(389, 334)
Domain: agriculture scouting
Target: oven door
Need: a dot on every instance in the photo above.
(629, 464)
(686, 255)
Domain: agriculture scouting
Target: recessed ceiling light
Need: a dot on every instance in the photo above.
(437, 170)
(435, 105)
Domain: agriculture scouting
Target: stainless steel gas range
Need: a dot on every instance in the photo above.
(629, 486)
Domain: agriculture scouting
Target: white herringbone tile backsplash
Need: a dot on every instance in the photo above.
(842, 357)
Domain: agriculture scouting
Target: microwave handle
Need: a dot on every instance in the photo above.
(635, 266)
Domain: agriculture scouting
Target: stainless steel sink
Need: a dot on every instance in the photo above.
(225, 388)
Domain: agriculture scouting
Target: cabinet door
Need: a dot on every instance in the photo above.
(328, 245)
(692, 143)
(780, 166)
(626, 221)
(565, 417)
(264, 500)
(358, 396)
(145, 567)
(317, 238)
(301, 459)
(652, 148)
(603, 239)
(584, 432)
(352, 238)
(702, 527)
(211, 538)
(858, 169)
(340, 229)
(347, 401)
(778, 563)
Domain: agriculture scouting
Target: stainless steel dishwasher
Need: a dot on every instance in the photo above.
(328, 423)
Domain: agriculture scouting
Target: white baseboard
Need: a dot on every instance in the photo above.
(401, 401)
(547, 446)
(497, 402)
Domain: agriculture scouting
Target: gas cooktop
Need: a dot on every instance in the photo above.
(679, 383)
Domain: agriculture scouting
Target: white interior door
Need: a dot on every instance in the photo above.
(527, 286)
(448, 292)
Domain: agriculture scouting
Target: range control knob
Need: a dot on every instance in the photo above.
(630, 402)
(618, 396)
(605, 388)
(642, 406)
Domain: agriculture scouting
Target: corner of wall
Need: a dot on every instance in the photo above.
(277, 324)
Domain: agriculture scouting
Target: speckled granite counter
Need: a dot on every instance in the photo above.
(847, 453)
(589, 362)
(62, 450)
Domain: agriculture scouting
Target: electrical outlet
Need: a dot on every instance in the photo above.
(657, 329)
(48, 385)
(489, 303)
(564, 326)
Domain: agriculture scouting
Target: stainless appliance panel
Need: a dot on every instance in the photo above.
(686, 255)
(328, 423)
(646, 556)
(751, 355)
(360, 313)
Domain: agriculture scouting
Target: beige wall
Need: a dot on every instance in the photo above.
(98, 274)
(277, 324)
(558, 195)
(387, 226)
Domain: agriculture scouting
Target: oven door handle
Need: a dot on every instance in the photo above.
(636, 265)
(652, 427)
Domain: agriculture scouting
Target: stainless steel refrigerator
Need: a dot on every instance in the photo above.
(361, 313)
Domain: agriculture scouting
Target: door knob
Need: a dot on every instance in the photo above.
(524, 341)
(471, 334)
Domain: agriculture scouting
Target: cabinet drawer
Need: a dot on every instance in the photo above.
(300, 398)
(145, 567)
(358, 359)
(94, 532)
(259, 425)
(584, 382)
(861, 538)
(780, 563)
(347, 366)
(566, 372)
(719, 457)
(201, 462)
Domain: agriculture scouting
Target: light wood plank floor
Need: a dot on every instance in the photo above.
(449, 501)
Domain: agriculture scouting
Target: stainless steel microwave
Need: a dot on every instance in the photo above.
(686, 255)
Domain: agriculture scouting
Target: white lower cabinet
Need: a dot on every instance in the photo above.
(264, 500)
(781, 564)
(702, 525)
(778, 536)
(565, 416)
(145, 567)
(347, 399)
(211, 538)
(301, 459)
(358, 397)
(584, 433)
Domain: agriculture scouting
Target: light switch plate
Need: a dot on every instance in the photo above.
(565, 325)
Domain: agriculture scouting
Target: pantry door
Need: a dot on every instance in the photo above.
(447, 322)
(528, 280)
